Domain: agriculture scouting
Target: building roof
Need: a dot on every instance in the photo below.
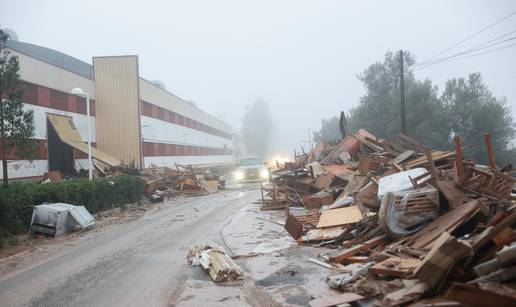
(53, 57)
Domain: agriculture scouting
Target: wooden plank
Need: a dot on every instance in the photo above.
(431, 164)
(436, 265)
(321, 263)
(472, 295)
(340, 216)
(458, 157)
(423, 161)
(341, 171)
(357, 259)
(454, 195)
(335, 300)
(490, 150)
(401, 267)
(375, 241)
(343, 255)
(402, 157)
(446, 222)
(323, 234)
(486, 236)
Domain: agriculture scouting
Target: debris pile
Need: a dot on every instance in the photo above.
(409, 223)
(184, 180)
(160, 182)
(215, 262)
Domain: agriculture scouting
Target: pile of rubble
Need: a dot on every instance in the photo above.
(184, 180)
(160, 182)
(406, 223)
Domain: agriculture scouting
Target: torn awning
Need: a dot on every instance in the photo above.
(68, 133)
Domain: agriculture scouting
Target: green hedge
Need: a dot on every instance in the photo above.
(17, 200)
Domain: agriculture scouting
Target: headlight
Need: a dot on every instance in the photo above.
(239, 175)
(264, 173)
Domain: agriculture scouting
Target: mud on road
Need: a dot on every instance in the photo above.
(139, 259)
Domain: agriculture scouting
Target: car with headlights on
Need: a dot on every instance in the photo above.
(251, 169)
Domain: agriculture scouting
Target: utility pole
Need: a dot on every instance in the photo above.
(310, 139)
(402, 95)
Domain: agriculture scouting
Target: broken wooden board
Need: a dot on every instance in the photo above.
(437, 263)
(343, 255)
(401, 267)
(446, 222)
(210, 186)
(348, 144)
(472, 295)
(423, 160)
(357, 259)
(355, 183)
(297, 221)
(454, 195)
(341, 171)
(335, 300)
(340, 216)
(317, 200)
(489, 233)
(323, 234)
(402, 157)
(324, 181)
(293, 226)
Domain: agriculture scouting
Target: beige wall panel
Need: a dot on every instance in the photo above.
(41, 73)
(117, 107)
(153, 94)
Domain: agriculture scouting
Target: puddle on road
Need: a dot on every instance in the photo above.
(286, 276)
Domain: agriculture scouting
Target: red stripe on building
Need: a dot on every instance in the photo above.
(46, 97)
(42, 152)
(153, 149)
(154, 111)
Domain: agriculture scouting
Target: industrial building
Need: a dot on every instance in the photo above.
(133, 120)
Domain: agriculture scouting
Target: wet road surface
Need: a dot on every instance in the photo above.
(141, 263)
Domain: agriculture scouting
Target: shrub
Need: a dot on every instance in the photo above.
(18, 199)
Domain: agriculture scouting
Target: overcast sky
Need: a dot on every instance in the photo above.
(300, 56)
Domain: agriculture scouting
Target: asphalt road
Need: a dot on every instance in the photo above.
(141, 263)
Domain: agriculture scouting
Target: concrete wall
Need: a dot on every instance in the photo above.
(155, 95)
(188, 160)
(41, 73)
(156, 130)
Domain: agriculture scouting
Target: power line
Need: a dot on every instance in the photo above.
(469, 56)
(496, 38)
(469, 37)
(473, 49)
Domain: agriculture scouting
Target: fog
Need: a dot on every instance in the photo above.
(300, 56)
